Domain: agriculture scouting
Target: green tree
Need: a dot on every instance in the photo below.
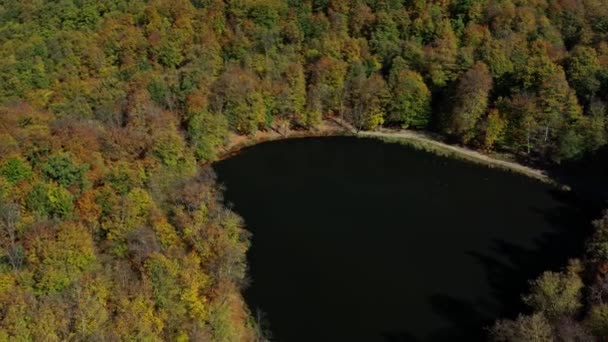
(571, 145)
(169, 146)
(163, 273)
(207, 133)
(62, 169)
(595, 126)
(50, 200)
(496, 55)
(537, 67)
(385, 37)
(410, 102)
(441, 56)
(160, 92)
(560, 119)
(582, 68)
(16, 170)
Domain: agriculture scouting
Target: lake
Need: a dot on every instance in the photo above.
(361, 240)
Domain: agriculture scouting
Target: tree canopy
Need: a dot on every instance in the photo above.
(108, 228)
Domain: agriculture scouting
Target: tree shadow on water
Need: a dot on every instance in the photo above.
(466, 322)
(399, 337)
(466, 319)
(508, 269)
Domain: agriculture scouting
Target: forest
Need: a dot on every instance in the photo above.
(110, 229)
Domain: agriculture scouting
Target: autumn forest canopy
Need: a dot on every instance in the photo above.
(109, 228)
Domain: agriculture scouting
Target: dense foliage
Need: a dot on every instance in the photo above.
(107, 237)
(107, 228)
(528, 76)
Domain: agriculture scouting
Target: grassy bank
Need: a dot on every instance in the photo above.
(429, 144)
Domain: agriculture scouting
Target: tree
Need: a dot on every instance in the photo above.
(326, 83)
(470, 103)
(61, 168)
(571, 145)
(560, 118)
(236, 95)
(160, 92)
(597, 320)
(494, 129)
(367, 101)
(137, 320)
(50, 200)
(163, 273)
(495, 53)
(595, 126)
(131, 213)
(292, 97)
(90, 297)
(555, 294)
(534, 328)
(385, 37)
(207, 133)
(59, 257)
(410, 101)
(441, 64)
(537, 67)
(520, 111)
(314, 107)
(169, 146)
(597, 247)
(9, 234)
(16, 170)
(582, 68)
(110, 231)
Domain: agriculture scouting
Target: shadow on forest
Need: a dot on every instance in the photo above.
(508, 269)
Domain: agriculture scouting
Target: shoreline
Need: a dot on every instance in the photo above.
(236, 143)
(415, 139)
(424, 141)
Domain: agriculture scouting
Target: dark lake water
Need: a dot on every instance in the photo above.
(360, 240)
